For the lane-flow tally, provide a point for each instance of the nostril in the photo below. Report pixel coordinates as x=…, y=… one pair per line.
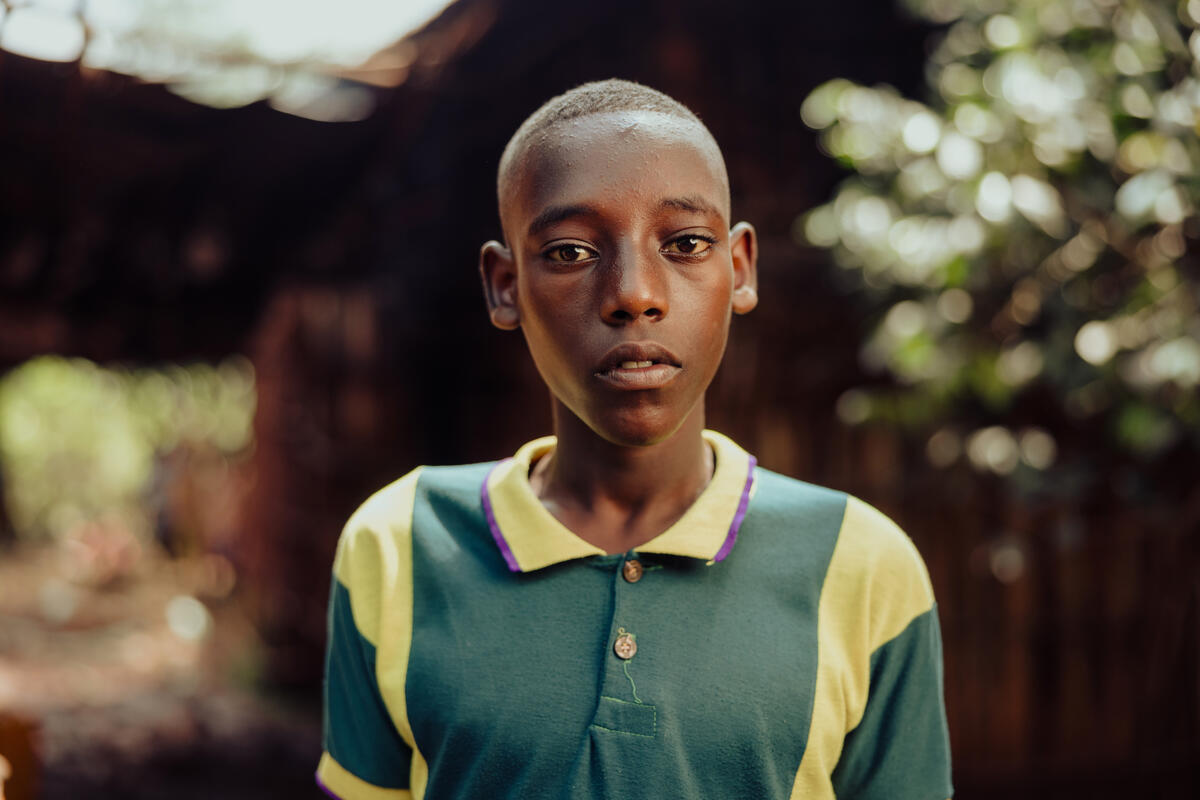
x=624, y=315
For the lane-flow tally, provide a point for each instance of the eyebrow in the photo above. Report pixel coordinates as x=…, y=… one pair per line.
x=554, y=214
x=691, y=203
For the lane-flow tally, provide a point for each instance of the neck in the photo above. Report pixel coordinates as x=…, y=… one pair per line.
x=617, y=496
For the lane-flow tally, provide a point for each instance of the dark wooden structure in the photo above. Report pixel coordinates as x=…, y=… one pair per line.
x=135, y=226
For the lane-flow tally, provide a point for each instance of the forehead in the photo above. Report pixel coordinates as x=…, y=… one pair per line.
x=627, y=160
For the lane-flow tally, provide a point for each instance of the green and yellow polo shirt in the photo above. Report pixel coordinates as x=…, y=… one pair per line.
x=780, y=640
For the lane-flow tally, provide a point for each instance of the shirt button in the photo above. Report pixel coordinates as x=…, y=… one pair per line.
x=633, y=570
x=625, y=646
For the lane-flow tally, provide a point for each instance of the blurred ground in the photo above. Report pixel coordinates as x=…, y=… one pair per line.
x=140, y=685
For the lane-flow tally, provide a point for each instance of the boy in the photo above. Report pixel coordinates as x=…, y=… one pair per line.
x=631, y=608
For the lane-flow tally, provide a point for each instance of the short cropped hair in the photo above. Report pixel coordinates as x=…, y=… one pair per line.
x=598, y=97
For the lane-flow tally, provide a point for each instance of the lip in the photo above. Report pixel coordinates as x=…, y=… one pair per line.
x=662, y=370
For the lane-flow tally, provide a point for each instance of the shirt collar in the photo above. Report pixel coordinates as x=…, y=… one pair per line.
x=529, y=537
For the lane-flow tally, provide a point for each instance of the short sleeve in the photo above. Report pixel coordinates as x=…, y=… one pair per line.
x=366, y=754
x=901, y=749
x=879, y=722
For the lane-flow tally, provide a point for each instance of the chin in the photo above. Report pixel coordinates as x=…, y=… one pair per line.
x=635, y=428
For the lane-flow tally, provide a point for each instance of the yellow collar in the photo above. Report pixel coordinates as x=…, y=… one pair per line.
x=529, y=537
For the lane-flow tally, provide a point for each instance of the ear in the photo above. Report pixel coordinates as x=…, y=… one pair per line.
x=499, y=273
x=743, y=247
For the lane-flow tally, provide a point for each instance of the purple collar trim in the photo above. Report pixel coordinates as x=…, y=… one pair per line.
x=740, y=515
x=501, y=542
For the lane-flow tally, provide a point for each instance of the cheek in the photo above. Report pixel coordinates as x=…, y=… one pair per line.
x=718, y=334
x=709, y=326
x=709, y=306
x=546, y=313
x=549, y=322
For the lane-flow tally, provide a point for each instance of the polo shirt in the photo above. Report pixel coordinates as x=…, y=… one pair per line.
x=779, y=640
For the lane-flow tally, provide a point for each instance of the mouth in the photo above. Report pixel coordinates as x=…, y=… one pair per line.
x=638, y=365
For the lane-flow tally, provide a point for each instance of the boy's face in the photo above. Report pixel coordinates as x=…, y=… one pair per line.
x=621, y=269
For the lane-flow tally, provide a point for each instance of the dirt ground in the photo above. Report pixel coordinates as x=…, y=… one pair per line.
x=135, y=676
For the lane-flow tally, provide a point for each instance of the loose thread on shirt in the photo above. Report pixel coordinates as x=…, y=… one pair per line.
x=632, y=685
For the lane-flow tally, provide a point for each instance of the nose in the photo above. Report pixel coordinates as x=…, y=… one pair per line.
x=634, y=287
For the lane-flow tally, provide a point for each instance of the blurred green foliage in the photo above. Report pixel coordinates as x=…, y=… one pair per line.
x=80, y=442
x=1028, y=231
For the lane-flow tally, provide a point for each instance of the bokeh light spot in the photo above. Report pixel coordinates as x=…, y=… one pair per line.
x=820, y=227
x=1038, y=448
x=1096, y=342
x=1136, y=102
x=955, y=305
x=1126, y=60
x=1002, y=31
x=994, y=198
x=943, y=448
x=42, y=34
x=854, y=407
x=993, y=448
x=906, y=318
x=187, y=617
x=921, y=132
x=1007, y=562
x=960, y=157
x=1018, y=365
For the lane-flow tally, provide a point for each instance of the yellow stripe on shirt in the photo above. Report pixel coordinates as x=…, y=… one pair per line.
x=876, y=584
x=346, y=785
x=376, y=549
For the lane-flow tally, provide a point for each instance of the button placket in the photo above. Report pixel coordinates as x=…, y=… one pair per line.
x=621, y=709
x=624, y=644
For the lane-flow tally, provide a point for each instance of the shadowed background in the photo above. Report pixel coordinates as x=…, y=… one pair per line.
x=268, y=263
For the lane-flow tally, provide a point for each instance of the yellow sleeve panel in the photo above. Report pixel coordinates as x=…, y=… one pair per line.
x=374, y=562
x=875, y=586
x=348, y=786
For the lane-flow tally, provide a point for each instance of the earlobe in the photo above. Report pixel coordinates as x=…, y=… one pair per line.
x=743, y=248
x=499, y=274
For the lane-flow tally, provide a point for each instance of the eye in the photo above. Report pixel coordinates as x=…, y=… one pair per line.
x=569, y=253
x=690, y=245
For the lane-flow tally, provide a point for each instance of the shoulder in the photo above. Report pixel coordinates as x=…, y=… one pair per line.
x=373, y=552
x=795, y=503
x=381, y=528
x=385, y=517
x=869, y=544
x=877, y=570
x=875, y=574
x=878, y=546
x=382, y=521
